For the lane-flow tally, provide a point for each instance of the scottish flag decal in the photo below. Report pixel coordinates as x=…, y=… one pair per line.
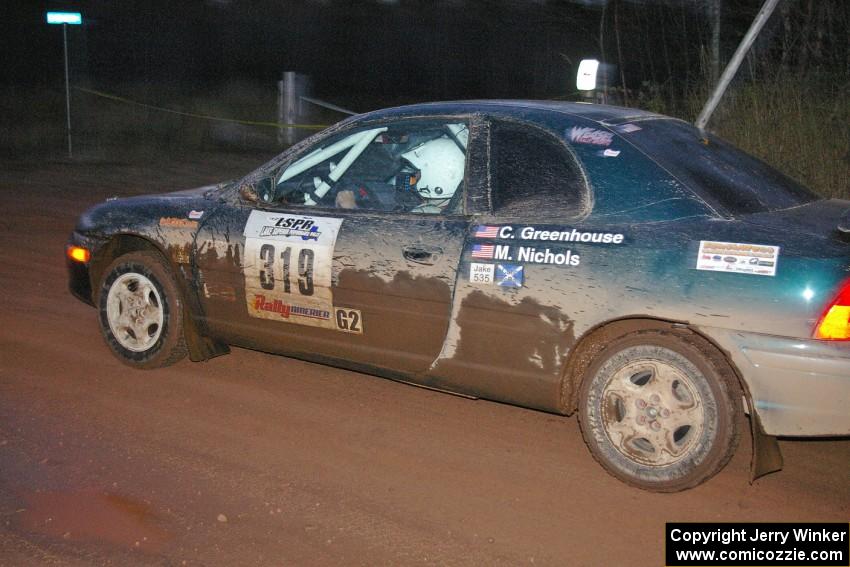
x=509, y=275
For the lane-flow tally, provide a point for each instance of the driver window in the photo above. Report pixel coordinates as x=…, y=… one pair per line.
x=409, y=168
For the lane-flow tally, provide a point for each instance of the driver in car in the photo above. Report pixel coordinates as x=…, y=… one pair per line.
x=426, y=182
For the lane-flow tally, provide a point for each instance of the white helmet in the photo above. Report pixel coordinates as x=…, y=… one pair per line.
x=440, y=163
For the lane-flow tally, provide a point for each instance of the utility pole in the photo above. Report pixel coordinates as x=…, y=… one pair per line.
x=732, y=68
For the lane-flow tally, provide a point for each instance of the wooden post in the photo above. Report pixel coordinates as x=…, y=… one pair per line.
x=290, y=107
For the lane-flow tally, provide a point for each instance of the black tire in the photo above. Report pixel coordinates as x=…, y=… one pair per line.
x=141, y=311
x=658, y=411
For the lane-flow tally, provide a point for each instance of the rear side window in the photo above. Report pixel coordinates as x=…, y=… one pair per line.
x=534, y=174
x=716, y=170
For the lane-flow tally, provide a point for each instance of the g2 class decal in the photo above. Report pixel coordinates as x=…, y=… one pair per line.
x=349, y=320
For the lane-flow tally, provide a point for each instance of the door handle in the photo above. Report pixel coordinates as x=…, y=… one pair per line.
x=421, y=254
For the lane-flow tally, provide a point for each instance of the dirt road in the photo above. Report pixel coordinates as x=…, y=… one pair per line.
x=253, y=459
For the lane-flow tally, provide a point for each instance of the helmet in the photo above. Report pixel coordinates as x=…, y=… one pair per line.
x=440, y=163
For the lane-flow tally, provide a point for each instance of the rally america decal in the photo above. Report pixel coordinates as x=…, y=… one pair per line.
x=540, y=252
x=738, y=258
x=288, y=263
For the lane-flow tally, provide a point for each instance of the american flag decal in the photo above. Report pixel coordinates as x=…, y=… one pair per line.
x=484, y=231
x=483, y=251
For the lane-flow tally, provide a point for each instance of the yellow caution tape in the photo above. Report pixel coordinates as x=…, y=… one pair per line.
x=201, y=116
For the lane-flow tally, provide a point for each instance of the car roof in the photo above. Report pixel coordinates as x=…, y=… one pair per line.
x=600, y=113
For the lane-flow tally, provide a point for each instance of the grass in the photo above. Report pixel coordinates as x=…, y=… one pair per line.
x=798, y=124
x=801, y=128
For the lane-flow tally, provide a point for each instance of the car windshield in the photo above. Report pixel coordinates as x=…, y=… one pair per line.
x=714, y=169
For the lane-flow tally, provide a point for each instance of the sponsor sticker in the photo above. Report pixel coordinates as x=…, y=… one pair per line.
x=172, y=222
x=610, y=153
x=287, y=268
x=582, y=135
x=279, y=308
x=481, y=274
x=627, y=128
x=509, y=275
x=292, y=228
x=737, y=257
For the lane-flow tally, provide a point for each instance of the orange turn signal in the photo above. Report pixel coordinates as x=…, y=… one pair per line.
x=79, y=254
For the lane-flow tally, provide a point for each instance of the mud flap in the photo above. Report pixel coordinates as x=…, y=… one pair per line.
x=767, y=457
x=200, y=347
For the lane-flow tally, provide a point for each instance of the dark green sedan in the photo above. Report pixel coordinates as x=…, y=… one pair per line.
x=566, y=257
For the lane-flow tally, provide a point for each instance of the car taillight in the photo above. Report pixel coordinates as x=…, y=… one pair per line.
x=834, y=324
x=79, y=254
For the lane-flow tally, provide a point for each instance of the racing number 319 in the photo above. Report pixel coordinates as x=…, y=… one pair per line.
x=305, y=269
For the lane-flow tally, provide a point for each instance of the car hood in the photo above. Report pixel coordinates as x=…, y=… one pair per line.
x=195, y=192
x=117, y=215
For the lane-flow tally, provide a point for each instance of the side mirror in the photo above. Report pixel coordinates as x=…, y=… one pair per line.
x=247, y=193
x=262, y=190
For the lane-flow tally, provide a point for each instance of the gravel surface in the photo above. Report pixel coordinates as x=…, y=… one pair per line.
x=255, y=459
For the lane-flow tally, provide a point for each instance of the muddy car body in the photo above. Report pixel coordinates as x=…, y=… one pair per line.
x=558, y=256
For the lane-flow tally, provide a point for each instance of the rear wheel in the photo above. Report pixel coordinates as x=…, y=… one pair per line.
x=658, y=412
x=141, y=312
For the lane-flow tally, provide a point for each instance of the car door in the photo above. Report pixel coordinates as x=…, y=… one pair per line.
x=576, y=221
x=512, y=325
x=350, y=253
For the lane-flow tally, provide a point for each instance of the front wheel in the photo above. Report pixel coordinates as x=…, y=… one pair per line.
x=658, y=412
x=141, y=312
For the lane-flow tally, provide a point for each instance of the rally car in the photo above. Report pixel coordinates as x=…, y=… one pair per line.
x=565, y=257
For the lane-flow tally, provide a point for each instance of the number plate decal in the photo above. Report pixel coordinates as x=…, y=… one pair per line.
x=287, y=268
